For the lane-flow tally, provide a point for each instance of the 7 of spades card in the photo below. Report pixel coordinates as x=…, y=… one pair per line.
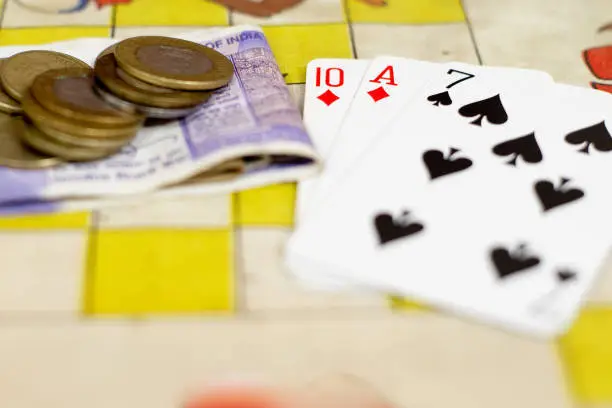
x=432, y=212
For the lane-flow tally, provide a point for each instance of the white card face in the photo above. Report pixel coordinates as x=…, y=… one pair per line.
x=330, y=87
x=428, y=218
x=387, y=86
x=387, y=90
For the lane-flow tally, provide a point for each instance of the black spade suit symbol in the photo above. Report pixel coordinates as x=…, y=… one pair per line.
x=439, y=166
x=596, y=136
x=490, y=109
x=442, y=98
x=390, y=229
x=509, y=263
x=552, y=196
x=525, y=147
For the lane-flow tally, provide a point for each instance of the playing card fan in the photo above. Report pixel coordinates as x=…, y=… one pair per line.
x=475, y=190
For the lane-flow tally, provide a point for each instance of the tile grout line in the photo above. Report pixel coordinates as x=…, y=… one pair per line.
x=3, y=12
x=351, y=31
x=87, y=287
x=239, y=280
x=230, y=17
x=113, y=27
x=239, y=303
x=471, y=31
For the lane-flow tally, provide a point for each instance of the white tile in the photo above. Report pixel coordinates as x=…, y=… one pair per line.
x=42, y=272
x=436, y=43
x=31, y=13
x=549, y=35
x=417, y=361
x=306, y=12
x=267, y=286
x=208, y=211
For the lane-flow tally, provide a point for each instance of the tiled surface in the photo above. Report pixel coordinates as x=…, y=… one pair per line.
x=418, y=361
x=549, y=37
x=134, y=306
x=174, y=13
x=295, y=46
x=18, y=14
x=449, y=42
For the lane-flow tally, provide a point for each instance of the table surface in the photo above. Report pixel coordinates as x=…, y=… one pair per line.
x=134, y=306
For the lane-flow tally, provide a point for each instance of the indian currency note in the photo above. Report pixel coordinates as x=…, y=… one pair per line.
x=253, y=119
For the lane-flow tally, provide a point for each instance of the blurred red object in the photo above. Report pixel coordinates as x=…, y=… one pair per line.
x=341, y=391
x=237, y=397
x=602, y=87
x=102, y=3
x=599, y=61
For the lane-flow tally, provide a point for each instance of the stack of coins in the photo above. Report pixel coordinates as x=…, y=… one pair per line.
x=54, y=108
x=160, y=77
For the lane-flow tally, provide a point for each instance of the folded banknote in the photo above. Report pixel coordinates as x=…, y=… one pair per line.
x=250, y=133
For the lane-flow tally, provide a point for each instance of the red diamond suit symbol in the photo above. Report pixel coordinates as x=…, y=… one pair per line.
x=378, y=94
x=328, y=97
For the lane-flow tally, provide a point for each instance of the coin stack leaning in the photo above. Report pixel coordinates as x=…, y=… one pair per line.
x=54, y=108
x=160, y=77
x=62, y=119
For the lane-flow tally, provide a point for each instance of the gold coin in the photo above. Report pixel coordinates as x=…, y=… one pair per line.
x=18, y=72
x=149, y=111
x=8, y=104
x=69, y=92
x=174, y=63
x=106, y=71
x=41, y=116
x=14, y=152
x=87, y=142
x=41, y=142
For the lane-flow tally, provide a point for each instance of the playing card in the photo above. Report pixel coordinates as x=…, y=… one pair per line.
x=426, y=216
x=388, y=85
x=330, y=87
x=386, y=92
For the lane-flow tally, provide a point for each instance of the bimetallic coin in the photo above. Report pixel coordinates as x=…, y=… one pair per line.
x=18, y=72
x=14, y=152
x=43, y=117
x=149, y=111
x=106, y=71
x=173, y=63
x=87, y=142
x=137, y=83
x=41, y=142
x=8, y=104
x=69, y=92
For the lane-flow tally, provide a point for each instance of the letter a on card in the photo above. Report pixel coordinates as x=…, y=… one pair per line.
x=385, y=76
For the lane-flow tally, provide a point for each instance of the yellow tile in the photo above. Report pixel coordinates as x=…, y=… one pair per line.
x=402, y=304
x=587, y=353
x=160, y=271
x=25, y=36
x=271, y=205
x=403, y=11
x=46, y=221
x=171, y=13
x=295, y=46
